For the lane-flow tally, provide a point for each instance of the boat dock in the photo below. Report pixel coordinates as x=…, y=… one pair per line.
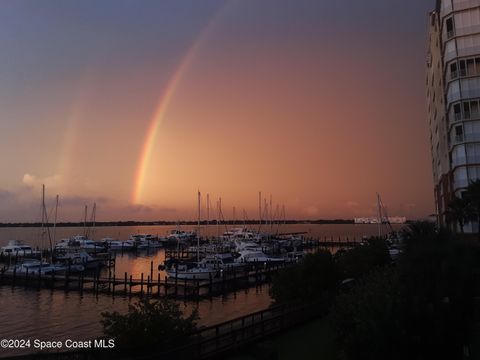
x=152, y=284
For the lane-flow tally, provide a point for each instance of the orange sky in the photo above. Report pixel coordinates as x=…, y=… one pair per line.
x=319, y=108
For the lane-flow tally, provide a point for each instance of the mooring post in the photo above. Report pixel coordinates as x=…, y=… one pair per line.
x=151, y=270
x=130, y=289
x=113, y=285
x=141, y=284
x=176, y=281
x=210, y=284
x=158, y=284
x=185, y=286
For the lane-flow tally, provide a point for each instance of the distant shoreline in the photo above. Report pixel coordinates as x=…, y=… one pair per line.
x=173, y=223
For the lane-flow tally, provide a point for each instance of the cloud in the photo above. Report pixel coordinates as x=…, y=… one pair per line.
x=32, y=181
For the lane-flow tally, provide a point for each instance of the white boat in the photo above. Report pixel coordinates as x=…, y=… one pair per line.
x=80, y=242
x=219, y=261
x=18, y=248
x=35, y=267
x=191, y=271
x=255, y=256
x=145, y=241
x=112, y=244
x=71, y=257
x=181, y=235
x=242, y=233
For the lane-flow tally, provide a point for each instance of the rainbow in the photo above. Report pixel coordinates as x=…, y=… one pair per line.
x=163, y=104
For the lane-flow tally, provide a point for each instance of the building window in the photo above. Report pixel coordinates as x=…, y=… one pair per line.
x=453, y=70
x=463, y=68
x=457, y=110
x=450, y=30
x=458, y=133
x=466, y=110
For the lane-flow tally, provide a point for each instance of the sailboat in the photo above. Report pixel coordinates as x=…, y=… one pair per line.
x=35, y=266
x=192, y=270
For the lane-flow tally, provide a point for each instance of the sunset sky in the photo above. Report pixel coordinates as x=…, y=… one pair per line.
x=138, y=104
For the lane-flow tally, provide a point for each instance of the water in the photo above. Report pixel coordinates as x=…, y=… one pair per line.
x=57, y=315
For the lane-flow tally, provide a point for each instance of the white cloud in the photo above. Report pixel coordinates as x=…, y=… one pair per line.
x=32, y=181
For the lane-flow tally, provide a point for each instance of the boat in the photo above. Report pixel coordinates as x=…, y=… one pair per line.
x=18, y=248
x=40, y=267
x=112, y=244
x=80, y=242
x=255, y=256
x=145, y=241
x=179, y=235
x=220, y=261
x=190, y=271
x=71, y=257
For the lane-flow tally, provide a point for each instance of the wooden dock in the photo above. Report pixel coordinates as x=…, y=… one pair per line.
x=227, y=280
x=153, y=285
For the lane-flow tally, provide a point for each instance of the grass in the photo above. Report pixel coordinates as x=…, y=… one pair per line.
x=313, y=340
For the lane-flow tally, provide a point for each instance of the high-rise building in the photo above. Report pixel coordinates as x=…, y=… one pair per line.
x=453, y=99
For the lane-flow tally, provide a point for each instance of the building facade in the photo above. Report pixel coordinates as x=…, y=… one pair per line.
x=453, y=99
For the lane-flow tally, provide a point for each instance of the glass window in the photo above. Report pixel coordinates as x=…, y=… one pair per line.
x=449, y=25
x=457, y=110
x=453, y=70
x=470, y=67
x=474, y=108
x=463, y=68
x=466, y=110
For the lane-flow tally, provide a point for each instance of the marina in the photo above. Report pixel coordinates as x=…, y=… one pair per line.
x=135, y=274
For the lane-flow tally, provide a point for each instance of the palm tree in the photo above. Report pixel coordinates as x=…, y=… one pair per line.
x=459, y=210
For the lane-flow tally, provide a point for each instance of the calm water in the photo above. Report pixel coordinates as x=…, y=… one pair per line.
x=56, y=315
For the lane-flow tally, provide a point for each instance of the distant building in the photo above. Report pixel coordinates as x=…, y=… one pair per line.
x=453, y=99
x=375, y=220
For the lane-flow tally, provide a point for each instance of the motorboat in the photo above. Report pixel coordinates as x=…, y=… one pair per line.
x=220, y=261
x=112, y=244
x=80, y=242
x=181, y=235
x=18, y=248
x=191, y=271
x=40, y=267
x=255, y=256
x=145, y=241
x=71, y=257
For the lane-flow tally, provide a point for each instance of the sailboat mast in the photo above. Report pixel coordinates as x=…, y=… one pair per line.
x=85, y=222
x=379, y=216
x=260, y=208
x=198, y=230
x=94, y=216
x=55, y=220
x=208, y=209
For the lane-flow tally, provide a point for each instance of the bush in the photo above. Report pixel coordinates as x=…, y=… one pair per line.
x=367, y=319
x=149, y=323
x=363, y=259
x=422, y=308
x=308, y=281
